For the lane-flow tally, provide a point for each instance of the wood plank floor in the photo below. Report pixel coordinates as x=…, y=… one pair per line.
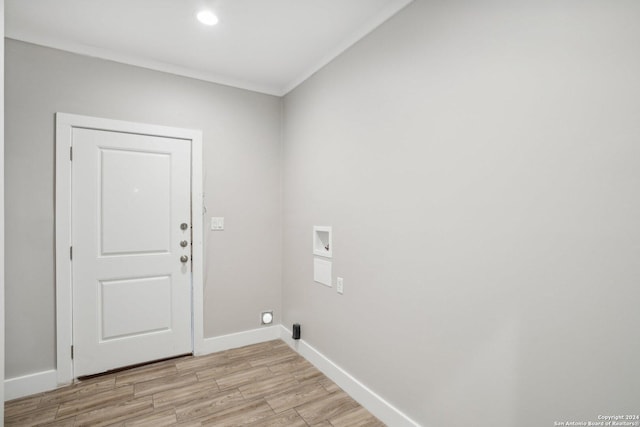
x=265, y=384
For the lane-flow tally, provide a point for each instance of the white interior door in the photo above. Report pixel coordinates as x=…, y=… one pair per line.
x=131, y=249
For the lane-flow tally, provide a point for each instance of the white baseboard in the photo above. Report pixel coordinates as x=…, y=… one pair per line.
x=26, y=385
x=240, y=339
x=375, y=404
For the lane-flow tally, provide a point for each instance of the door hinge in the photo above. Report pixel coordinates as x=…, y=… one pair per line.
x=71, y=252
x=72, y=352
x=71, y=153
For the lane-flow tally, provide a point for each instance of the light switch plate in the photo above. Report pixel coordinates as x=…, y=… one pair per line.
x=217, y=223
x=340, y=285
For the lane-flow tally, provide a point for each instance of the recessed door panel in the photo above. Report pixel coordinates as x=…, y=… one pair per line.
x=135, y=214
x=122, y=315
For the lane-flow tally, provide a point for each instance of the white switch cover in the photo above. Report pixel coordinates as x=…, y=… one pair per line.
x=322, y=271
x=217, y=223
x=340, y=285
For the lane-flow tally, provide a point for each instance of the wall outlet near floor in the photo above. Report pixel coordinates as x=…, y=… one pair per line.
x=266, y=317
x=340, y=285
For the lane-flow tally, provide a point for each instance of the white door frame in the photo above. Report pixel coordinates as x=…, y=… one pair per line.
x=64, y=307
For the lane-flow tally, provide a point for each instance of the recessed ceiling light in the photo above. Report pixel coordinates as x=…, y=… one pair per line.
x=207, y=17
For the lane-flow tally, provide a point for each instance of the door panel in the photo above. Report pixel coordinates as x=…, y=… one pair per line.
x=131, y=290
x=124, y=296
x=135, y=214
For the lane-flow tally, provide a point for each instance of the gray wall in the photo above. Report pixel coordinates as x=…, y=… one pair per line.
x=480, y=165
x=2, y=210
x=242, y=153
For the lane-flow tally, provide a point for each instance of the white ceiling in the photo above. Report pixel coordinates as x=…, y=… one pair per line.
x=268, y=46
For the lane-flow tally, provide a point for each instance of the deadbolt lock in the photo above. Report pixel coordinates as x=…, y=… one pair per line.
x=184, y=258
x=184, y=243
x=184, y=226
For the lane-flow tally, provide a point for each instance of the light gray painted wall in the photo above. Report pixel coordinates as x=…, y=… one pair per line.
x=2, y=346
x=242, y=153
x=480, y=165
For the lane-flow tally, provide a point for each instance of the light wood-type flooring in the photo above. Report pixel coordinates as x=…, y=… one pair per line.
x=265, y=384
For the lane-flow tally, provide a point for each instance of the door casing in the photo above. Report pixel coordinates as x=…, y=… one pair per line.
x=64, y=307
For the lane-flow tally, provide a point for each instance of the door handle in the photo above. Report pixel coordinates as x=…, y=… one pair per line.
x=184, y=243
x=184, y=226
x=184, y=258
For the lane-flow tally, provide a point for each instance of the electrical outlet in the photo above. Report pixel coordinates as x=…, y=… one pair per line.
x=340, y=285
x=266, y=317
